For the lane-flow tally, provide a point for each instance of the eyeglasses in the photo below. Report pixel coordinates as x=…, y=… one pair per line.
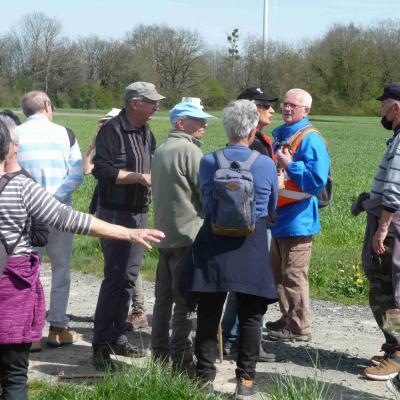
x=263, y=106
x=291, y=106
x=155, y=104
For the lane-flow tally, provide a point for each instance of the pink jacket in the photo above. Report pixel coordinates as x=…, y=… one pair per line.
x=22, y=303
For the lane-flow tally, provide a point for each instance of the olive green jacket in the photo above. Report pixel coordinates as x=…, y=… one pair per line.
x=177, y=198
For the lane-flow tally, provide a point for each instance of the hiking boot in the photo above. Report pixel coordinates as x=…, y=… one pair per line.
x=378, y=359
x=36, y=347
x=285, y=335
x=61, y=336
x=265, y=355
x=245, y=389
x=137, y=319
x=206, y=387
x=127, y=349
x=393, y=385
x=387, y=369
x=275, y=325
x=101, y=359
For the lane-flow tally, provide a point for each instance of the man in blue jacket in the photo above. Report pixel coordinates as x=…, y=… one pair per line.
x=304, y=162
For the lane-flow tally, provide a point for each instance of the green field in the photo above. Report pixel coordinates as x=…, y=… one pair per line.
x=356, y=145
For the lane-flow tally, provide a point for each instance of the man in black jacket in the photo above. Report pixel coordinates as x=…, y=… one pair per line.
x=124, y=148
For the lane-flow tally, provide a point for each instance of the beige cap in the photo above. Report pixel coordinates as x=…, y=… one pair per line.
x=144, y=89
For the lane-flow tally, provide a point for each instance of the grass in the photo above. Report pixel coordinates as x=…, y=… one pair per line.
x=356, y=145
x=153, y=381
x=289, y=387
x=150, y=382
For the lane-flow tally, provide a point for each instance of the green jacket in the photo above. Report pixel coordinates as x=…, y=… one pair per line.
x=177, y=198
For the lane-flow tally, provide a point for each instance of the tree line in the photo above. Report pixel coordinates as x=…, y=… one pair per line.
x=344, y=69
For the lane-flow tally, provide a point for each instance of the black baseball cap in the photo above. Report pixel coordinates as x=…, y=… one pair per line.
x=390, y=91
x=255, y=93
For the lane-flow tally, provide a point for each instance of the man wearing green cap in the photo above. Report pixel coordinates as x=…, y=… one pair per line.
x=124, y=148
x=178, y=209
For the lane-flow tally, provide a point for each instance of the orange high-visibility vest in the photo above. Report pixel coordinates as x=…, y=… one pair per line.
x=292, y=193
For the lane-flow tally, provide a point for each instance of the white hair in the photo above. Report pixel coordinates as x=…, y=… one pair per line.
x=306, y=99
x=11, y=125
x=239, y=118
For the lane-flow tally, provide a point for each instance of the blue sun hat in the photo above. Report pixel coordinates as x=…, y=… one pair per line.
x=187, y=109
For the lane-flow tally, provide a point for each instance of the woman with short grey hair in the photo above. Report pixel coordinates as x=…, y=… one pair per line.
x=238, y=118
x=240, y=264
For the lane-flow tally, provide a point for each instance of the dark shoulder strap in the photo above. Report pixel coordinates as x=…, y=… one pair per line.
x=71, y=137
x=4, y=181
x=6, y=178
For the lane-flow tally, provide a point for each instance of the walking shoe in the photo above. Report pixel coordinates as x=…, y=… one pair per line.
x=285, y=335
x=393, y=385
x=206, y=387
x=101, y=359
x=386, y=370
x=265, y=355
x=60, y=336
x=377, y=359
x=36, y=347
x=277, y=325
x=137, y=319
x=127, y=349
x=245, y=389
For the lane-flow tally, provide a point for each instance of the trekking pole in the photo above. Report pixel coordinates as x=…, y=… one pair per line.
x=220, y=347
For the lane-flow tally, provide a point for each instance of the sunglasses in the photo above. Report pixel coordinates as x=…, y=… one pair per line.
x=263, y=106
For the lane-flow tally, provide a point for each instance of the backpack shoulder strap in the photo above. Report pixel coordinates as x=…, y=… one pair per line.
x=250, y=160
x=296, y=139
x=6, y=178
x=222, y=161
x=4, y=181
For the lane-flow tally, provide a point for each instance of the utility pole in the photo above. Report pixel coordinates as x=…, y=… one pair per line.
x=265, y=31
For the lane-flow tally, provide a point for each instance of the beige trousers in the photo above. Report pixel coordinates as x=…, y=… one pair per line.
x=290, y=257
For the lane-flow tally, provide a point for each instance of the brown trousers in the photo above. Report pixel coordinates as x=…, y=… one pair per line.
x=290, y=257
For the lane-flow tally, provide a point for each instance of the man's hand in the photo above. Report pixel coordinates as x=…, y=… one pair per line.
x=145, y=180
x=378, y=239
x=381, y=232
x=283, y=159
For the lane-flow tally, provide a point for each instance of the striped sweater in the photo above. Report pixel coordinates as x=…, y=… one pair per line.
x=46, y=153
x=23, y=198
x=386, y=182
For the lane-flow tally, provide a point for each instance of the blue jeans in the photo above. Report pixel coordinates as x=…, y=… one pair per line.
x=59, y=249
x=230, y=320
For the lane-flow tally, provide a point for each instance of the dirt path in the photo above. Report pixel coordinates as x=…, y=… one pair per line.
x=343, y=340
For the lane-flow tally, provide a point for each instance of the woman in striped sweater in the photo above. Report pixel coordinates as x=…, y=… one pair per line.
x=22, y=308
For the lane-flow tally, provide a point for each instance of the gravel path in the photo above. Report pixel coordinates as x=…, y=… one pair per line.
x=344, y=338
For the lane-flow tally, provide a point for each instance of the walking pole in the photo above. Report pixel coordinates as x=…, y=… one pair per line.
x=220, y=348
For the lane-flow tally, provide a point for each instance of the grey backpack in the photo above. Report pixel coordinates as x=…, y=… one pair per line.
x=234, y=206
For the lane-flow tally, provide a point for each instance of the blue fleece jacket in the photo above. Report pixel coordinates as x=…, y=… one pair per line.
x=309, y=170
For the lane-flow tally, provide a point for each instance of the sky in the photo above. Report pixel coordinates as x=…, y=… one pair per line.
x=289, y=20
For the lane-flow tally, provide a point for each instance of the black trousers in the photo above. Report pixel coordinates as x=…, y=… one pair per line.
x=122, y=261
x=209, y=310
x=14, y=362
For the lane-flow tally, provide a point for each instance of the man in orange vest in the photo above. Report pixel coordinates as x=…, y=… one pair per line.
x=303, y=158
